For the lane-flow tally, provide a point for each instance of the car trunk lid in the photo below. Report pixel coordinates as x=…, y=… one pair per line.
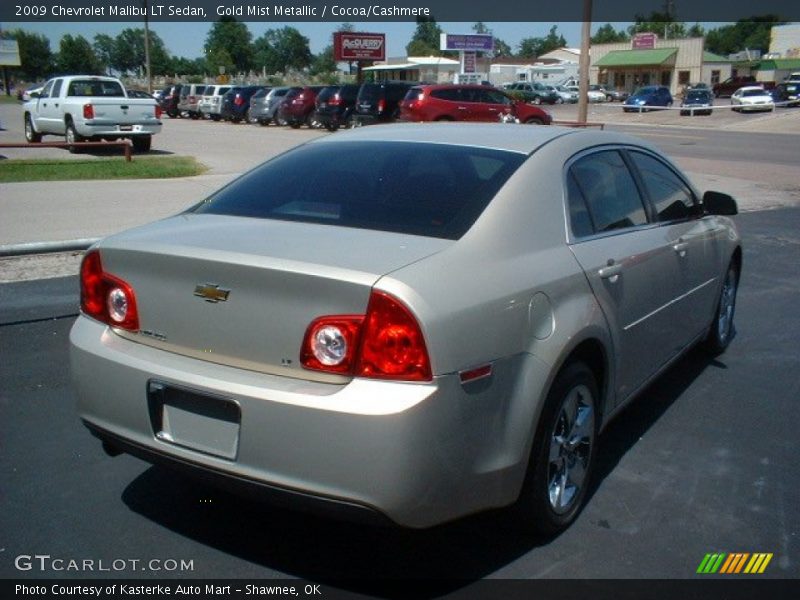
x=241, y=291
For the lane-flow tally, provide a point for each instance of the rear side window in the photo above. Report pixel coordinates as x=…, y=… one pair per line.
x=609, y=190
x=370, y=91
x=673, y=201
x=416, y=93
x=327, y=93
x=432, y=190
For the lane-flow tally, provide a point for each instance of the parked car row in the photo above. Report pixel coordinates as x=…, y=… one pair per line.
x=352, y=105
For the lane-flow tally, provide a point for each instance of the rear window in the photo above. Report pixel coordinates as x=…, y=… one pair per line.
x=85, y=88
x=370, y=91
x=432, y=190
x=327, y=93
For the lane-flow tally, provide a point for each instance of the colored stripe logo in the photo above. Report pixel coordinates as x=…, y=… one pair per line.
x=735, y=563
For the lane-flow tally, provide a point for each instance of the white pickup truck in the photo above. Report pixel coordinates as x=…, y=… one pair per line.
x=91, y=108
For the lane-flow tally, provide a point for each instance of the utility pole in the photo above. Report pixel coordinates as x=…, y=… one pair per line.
x=147, y=49
x=583, y=65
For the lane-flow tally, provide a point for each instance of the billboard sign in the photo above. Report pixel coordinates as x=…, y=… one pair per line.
x=644, y=41
x=349, y=46
x=473, y=42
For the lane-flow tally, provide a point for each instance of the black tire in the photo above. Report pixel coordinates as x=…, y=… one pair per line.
x=723, y=329
x=142, y=143
x=263, y=122
x=534, y=121
x=561, y=448
x=194, y=116
x=215, y=117
x=332, y=127
x=30, y=133
x=71, y=136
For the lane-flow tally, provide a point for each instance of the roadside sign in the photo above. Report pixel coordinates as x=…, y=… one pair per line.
x=475, y=42
x=349, y=46
x=644, y=41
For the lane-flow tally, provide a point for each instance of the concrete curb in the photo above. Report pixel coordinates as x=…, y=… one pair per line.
x=46, y=247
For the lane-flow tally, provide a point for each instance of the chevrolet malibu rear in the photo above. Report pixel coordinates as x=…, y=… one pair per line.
x=382, y=336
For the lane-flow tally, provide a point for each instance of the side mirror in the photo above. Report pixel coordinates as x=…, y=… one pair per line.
x=35, y=95
x=717, y=203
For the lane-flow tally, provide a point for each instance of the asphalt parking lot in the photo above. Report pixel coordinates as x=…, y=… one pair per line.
x=705, y=461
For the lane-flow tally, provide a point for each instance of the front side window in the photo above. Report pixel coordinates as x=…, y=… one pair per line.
x=673, y=201
x=610, y=192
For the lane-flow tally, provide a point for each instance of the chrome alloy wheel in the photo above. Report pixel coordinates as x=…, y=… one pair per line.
x=570, y=449
x=727, y=303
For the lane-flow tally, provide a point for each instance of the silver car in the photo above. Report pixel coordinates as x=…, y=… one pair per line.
x=409, y=322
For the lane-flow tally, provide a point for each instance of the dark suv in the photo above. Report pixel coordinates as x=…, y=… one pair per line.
x=535, y=93
x=335, y=105
x=170, y=100
x=379, y=102
x=468, y=103
x=236, y=103
x=298, y=109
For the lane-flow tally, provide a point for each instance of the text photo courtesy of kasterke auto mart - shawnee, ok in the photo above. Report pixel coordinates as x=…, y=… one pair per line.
x=424, y=299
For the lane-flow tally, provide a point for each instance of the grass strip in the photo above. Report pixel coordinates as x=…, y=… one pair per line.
x=142, y=167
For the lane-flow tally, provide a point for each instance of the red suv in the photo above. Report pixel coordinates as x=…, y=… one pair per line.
x=299, y=110
x=467, y=103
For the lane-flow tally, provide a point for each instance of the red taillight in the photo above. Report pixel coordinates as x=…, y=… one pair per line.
x=88, y=111
x=159, y=111
x=381, y=105
x=238, y=101
x=335, y=100
x=392, y=344
x=386, y=343
x=105, y=297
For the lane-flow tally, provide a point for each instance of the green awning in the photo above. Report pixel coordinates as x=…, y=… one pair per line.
x=636, y=58
x=711, y=57
x=776, y=64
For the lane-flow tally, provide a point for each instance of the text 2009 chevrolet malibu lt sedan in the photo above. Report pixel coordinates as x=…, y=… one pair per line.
x=415, y=322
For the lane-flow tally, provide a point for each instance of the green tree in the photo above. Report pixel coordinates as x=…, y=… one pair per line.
x=76, y=56
x=536, y=46
x=425, y=41
x=323, y=62
x=280, y=50
x=128, y=53
x=662, y=24
x=608, y=35
x=696, y=30
x=235, y=39
x=752, y=33
x=34, y=53
x=104, y=46
x=187, y=66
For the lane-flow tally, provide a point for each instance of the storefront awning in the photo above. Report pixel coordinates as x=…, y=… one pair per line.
x=637, y=58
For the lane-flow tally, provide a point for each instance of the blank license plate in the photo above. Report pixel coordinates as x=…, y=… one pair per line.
x=194, y=420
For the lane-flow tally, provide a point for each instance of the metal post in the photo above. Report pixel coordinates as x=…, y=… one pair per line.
x=147, y=49
x=583, y=67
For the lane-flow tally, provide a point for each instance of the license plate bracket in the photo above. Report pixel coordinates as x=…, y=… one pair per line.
x=195, y=420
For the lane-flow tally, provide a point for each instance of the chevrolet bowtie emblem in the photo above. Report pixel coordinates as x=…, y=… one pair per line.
x=211, y=292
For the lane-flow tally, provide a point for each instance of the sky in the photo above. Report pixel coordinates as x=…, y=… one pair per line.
x=186, y=39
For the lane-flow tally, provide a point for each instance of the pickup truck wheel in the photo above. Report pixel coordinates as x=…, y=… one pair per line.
x=142, y=143
x=72, y=137
x=30, y=132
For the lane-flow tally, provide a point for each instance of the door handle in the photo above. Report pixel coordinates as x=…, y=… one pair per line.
x=610, y=272
x=462, y=108
x=680, y=247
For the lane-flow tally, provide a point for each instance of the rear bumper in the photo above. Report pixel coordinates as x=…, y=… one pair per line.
x=418, y=454
x=119, y=130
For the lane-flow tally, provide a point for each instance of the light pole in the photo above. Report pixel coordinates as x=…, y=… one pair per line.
x=583, y=65
x=147, y=49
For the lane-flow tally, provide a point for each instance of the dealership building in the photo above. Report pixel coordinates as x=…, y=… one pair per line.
x=653, y=61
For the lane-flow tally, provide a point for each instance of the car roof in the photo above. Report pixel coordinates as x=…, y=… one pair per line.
x=524, y=139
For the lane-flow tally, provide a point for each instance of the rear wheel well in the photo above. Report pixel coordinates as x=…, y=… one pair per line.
x=592, y=353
